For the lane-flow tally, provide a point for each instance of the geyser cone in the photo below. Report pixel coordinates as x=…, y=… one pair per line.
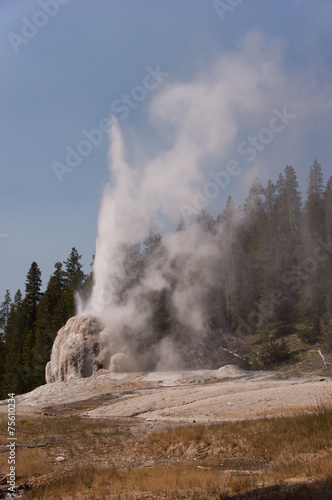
x=82, y=347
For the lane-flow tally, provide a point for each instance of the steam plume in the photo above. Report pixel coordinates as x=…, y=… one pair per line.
x=201, y=120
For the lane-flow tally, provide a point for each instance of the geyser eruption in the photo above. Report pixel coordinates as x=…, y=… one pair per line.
x=169, y=266
x=201, y=119
x=137, y=274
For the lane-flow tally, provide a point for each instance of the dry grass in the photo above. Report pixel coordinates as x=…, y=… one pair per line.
x=266, y=438
x=288, y=456
x=31, y=462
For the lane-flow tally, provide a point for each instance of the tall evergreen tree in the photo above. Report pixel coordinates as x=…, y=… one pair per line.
x=30, y=304
x=327, y=264
x=267, y=252
x=291, y=208
x=206, y=221
x=288, y=242
x=48, y=322
x=248, y=276
x=314, y=207
x=73, y=269
x=5, y=309
x=32, y=292
x=56, y=298
x=313, y=297
x=88, y=283
x=328, y=211
x=74, y=278
x=14, y=376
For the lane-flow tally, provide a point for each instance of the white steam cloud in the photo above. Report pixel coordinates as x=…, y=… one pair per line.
x=201, y=120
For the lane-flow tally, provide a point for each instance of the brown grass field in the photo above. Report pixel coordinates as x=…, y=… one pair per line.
x=272, y=457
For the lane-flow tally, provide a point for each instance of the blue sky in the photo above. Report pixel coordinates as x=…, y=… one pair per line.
x=84, y=56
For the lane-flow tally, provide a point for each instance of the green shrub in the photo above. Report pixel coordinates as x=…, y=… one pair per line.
x=274, y=351
x=308, y=336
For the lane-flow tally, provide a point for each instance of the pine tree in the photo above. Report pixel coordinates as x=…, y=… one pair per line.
x=327, y=264
x=313, y=298
x=74, y=278
x=47, y=323
x=267, y=251
x=314, y=207
x=328, y=211
x=56, y=285
x=288, y=242
x=14, y=377
x=206, y=221
x=248, y=269
x=88, y=283
x=73, y=269
x=5, y=308
x=56, y=296
x=291, y=206
x=32, y=292
x=30, y=305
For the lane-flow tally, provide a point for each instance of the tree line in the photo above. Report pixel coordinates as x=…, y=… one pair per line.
x=29, y=323
x=272, y=275
x=274, y=268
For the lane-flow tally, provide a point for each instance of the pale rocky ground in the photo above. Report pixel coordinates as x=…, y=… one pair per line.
x=202, y=396
x=82, y=373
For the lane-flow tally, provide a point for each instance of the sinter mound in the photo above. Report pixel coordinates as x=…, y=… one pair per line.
x=83, y=346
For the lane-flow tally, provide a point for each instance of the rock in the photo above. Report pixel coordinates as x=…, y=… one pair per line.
x=75, y=350
x=230, y=371
x=84, y=346
x=60, y=459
